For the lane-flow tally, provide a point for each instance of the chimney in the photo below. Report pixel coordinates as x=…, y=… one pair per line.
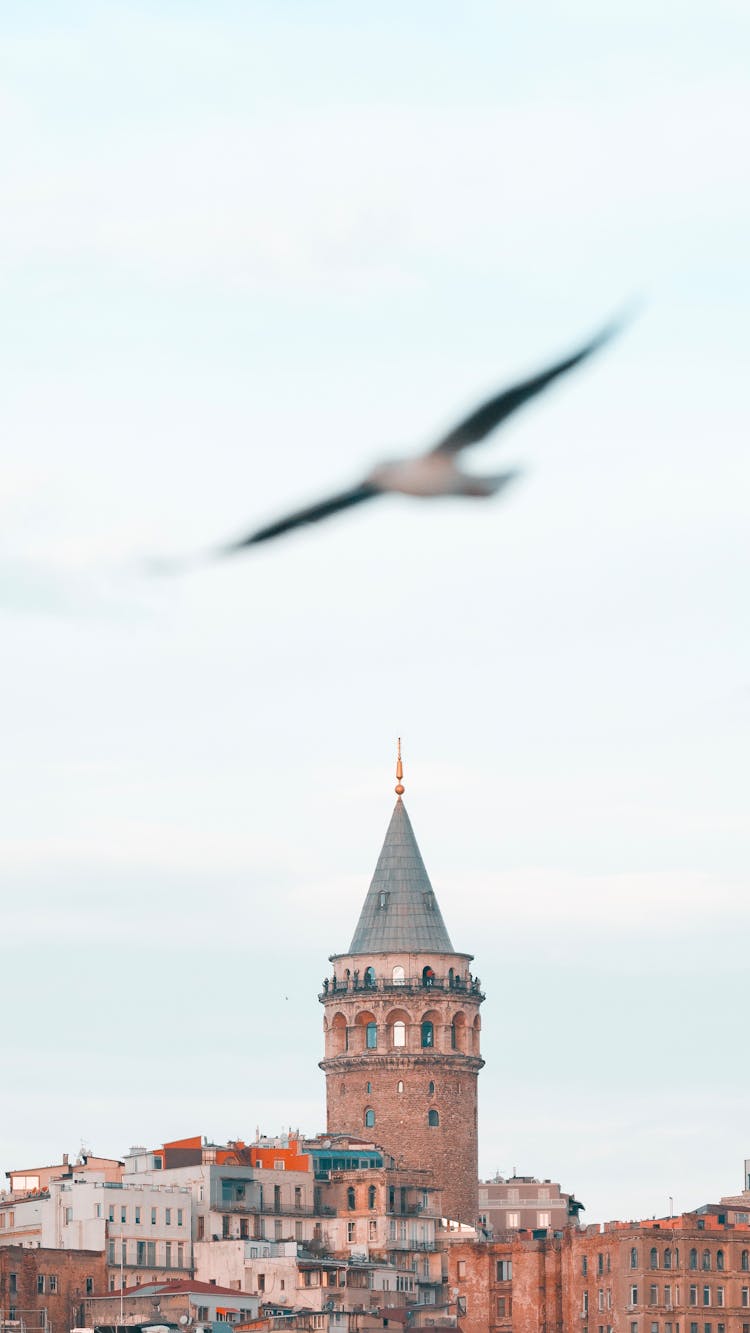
x=65, y=1159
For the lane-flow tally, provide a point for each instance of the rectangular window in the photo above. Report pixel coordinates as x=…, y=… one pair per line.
x=693, y=1294
x=201, y=1229
x=652, y=1294
x=706, y=1295
x=634, y=1326
x=111, y=1213
x=719, y=1295
x=168, y=1254
x=179, y=1217
x=504, y=1270
x=501, y=1307
x=137, y=1216
x=140, y=1252
x=68, y=1215
x=124, y=1252
x=41, y=1284
x=512, y=1221
x=153, y=1217
x=180, y=1255
x=123, y=1214
x=89, y=1286
x=584, y=1265
x=110, y=1252
x=168, y=1217
x=151, y=1253
x=53, y=1282
x=746, y=1295
x=543, y=1219
x=634, y=1295
x=461, y=1268
x=97, y=1210
x=350, y=1228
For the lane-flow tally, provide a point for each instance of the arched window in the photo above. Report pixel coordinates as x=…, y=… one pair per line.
x=693, y=1259
x=338, y=1034
x=433, y=1118
x=370, y=978
x=428, y=1034
x=706, y=1261
x=372, y=1036
x=371, y=1196
x=368, y=1087
x=428, y=975
x=634, y=1258
x=370, y=1118
x=399, y=1033
x=720, y=1260
x=398, y=975
x=430, y=1087
x=667, y=1258
x=399, y=1086
x=351, y=1201
x=653, y=1258
x=745, y=1261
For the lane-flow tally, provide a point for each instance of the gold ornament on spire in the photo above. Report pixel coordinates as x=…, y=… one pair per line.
x=399, y=772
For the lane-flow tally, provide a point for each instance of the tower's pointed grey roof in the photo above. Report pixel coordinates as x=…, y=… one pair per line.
x=400, y=913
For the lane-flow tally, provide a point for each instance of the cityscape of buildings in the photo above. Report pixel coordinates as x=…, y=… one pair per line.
x=381, y=1220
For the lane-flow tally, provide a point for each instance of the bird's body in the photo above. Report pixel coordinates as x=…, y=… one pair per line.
x=434, y=473
x=426, y=476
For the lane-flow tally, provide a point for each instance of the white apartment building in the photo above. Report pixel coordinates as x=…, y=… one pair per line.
x=145, y=1230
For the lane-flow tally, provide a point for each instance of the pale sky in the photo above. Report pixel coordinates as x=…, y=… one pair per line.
x=245, y=250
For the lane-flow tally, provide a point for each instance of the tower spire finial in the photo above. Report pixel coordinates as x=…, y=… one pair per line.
x=399, y=772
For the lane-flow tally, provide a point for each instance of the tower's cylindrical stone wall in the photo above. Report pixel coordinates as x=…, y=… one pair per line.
x=402, y=1055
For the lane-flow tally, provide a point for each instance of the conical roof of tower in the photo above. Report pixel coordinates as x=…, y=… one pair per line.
x=400, y=913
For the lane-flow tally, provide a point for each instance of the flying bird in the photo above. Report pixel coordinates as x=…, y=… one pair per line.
x=435, y=472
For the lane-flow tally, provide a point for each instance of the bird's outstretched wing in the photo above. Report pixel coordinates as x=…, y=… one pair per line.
x=312, y=514
x=495, y=410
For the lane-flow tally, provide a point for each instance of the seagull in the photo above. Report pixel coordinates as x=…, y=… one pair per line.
x=435, y=472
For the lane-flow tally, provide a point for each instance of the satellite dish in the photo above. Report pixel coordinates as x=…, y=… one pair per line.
x=184, y=1319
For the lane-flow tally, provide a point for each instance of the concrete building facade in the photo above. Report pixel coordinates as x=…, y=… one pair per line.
x=402, y=1028
x=526, y=1204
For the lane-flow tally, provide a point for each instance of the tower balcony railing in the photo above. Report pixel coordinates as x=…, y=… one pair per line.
x=470, y=986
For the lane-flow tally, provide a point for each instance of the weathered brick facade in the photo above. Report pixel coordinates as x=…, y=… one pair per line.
x=689, y=1274
x=48, y=1288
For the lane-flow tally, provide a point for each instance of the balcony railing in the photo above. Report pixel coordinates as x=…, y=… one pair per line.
x=268, y=1209
x=410, y=985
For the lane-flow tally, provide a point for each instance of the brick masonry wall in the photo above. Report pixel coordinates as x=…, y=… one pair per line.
x=76, y=1273
x=402, y=1117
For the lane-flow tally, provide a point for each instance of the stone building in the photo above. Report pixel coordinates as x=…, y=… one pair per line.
x=687, y=1274
x=402, y=1027
x=46, y=1289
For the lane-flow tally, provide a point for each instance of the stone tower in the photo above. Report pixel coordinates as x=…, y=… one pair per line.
x=402, y=1027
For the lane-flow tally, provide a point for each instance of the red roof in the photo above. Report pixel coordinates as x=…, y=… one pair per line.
x=176, y=1286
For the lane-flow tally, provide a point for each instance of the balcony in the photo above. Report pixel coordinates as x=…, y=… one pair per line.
x=268, y=1209
x=409, y=986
